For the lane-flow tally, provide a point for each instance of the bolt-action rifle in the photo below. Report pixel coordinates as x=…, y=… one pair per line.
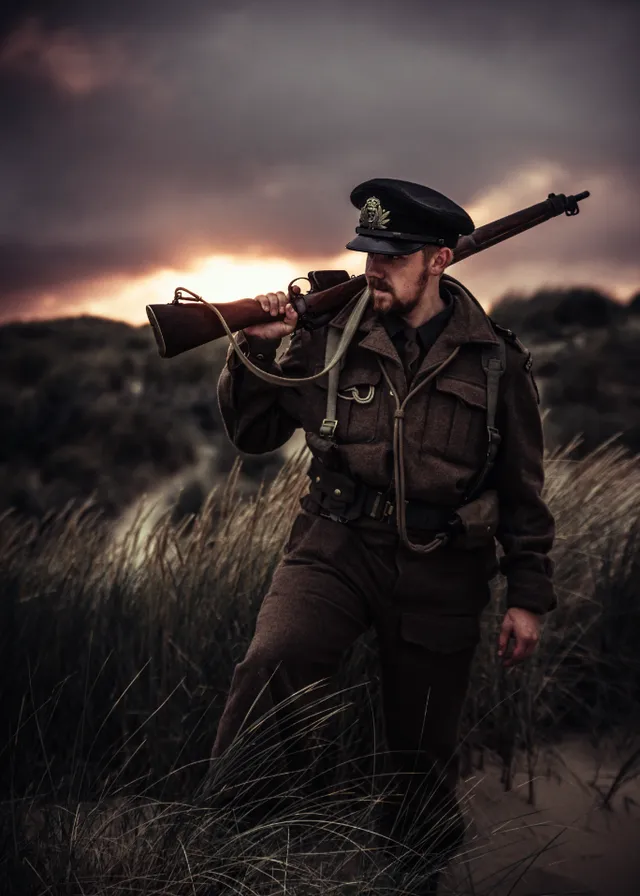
x=180, y=326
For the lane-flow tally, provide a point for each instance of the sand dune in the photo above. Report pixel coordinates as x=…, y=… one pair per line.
x=583, y=848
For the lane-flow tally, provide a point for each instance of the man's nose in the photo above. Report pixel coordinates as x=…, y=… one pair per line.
x=375, y=263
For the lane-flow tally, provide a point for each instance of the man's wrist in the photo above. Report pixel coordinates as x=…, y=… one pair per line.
x=537, y=604
x=262, y=349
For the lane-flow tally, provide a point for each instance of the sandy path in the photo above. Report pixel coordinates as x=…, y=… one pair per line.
x=581, y=848
x=584, y=848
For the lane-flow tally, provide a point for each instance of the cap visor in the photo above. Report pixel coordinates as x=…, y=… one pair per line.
x=362, y=243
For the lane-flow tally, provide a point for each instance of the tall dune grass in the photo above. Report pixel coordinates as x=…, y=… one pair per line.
x=115, y=673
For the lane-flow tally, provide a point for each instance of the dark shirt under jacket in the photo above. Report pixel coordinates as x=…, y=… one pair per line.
x=412, y=343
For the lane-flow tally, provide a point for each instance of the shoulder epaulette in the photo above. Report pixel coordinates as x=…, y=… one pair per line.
x=511, y=337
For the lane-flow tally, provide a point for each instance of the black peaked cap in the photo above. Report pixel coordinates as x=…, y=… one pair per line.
x=398, y=217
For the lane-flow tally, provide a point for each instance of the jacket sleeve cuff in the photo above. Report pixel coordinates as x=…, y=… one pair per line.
x=537, y=596
x=262, y=349
x=258, y=350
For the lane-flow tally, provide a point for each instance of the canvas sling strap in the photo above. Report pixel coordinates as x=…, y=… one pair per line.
x=330, y=422
x=350, y=328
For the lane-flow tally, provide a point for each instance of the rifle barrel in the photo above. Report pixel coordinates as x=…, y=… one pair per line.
x=180, y=327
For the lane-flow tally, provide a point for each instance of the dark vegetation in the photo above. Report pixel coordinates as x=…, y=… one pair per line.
x=113, y=683
x=586, y=349
x=116, y=664
x=88, y=406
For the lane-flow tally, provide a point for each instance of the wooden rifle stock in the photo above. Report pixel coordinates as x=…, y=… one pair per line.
x=179, y=327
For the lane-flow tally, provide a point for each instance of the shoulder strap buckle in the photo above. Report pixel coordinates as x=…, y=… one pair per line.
x=330, y=422
x=328, y=427
x=494, y=362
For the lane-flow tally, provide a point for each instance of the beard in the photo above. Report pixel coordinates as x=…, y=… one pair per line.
x=386, y=300
x=388, y=303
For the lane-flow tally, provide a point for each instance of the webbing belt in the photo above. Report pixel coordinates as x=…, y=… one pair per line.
x=379, y=505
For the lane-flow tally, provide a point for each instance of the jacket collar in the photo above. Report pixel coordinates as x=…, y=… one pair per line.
x=427, y=332
x=468, y=323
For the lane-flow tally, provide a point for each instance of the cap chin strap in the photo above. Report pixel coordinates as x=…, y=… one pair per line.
x=350, y=328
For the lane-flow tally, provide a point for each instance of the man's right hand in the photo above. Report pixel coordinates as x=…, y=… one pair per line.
x=274, y=303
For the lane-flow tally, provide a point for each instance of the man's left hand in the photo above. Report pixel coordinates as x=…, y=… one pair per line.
x=524, y=627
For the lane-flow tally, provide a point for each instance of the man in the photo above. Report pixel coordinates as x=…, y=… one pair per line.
x=399, y=527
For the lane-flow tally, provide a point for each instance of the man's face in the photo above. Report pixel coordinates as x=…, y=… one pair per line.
x=397, y=282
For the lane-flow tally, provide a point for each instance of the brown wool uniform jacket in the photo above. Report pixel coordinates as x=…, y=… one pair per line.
x=444, y=432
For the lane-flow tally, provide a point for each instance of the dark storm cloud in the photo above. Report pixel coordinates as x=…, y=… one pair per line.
x=138, y=133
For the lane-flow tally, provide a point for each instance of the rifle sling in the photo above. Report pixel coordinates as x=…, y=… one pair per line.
x=350, y=328
x=493, y=366
x=330, y=422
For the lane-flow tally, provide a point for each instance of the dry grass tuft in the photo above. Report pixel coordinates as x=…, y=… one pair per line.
x=116, y=672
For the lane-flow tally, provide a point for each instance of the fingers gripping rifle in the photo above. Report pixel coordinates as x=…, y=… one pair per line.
x=350, y=328
x=181, y=326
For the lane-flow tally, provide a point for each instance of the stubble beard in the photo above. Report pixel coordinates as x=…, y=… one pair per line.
x=384, y=302
x=387, y=302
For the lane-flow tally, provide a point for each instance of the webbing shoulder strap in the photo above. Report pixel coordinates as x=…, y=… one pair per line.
x=330, y=422
x=494, y=362
x=334, y=338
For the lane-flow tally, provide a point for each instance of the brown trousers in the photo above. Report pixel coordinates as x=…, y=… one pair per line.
x=333, y=583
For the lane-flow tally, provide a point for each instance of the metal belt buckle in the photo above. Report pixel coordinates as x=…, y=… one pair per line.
x=388, y=512
x=374, y=512
x=325, y=514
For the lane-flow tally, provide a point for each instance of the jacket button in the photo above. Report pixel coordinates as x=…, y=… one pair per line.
x=317, y=479
x=337, y=491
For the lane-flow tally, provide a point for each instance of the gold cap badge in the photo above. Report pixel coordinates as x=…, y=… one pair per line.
x=373, y=216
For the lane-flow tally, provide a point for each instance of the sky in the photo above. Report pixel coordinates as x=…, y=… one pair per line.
x=214, y=145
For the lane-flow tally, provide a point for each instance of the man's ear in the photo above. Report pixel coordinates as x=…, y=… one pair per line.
x=440, y=259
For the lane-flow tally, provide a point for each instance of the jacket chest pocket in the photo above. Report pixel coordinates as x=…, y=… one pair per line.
x=456, y=421
x=357, y=404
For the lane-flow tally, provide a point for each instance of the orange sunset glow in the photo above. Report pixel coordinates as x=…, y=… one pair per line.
x=528, y=262
x=225, y=278
x=217, y=278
